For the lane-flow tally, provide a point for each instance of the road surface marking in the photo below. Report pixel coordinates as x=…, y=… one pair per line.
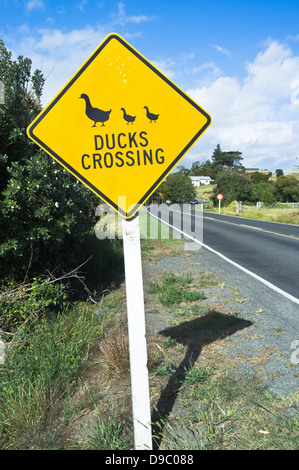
x=255, y=276
x=250, y=226
x=246, y=226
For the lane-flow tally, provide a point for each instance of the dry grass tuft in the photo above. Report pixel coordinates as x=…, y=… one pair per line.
x=115, y=348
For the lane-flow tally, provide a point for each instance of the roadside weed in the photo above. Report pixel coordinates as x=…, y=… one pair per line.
x=194, y=376
x=169, y=342
x=110, y=434
x=173, y=289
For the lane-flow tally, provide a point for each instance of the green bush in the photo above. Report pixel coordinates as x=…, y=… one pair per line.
x=22, y=93
x=45, y=216
x=19, y=303
x=45, y=212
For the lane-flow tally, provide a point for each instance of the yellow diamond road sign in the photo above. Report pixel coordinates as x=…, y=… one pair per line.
x=119, y=125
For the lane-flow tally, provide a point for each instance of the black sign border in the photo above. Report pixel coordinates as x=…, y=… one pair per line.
x=133, y=211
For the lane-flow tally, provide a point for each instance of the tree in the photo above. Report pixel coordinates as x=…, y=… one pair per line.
x=233, y=185
x=264, y=191
x=287, y=189
x=184, y=171
x=22, y=90
x=257, y=177
x=226, y=159
x=45, y=213
x=202, y=169
x=278, y=173
x=179, y=188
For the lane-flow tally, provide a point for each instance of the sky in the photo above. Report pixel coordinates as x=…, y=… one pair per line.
x=239, y=60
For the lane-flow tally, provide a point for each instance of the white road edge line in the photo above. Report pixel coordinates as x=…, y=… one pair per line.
x=255, y=276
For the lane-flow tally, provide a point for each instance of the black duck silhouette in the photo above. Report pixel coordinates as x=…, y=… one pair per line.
x=95, y=114
x=152, y=117
x=127, y=117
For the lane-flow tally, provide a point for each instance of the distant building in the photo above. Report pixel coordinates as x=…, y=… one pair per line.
x=251, y=170
x=199, y=180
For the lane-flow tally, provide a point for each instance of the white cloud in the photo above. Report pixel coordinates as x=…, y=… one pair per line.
x=121, y=18
x=35, y=5
x=293, y=38
x=208, y=72
x=258, y=116
x=24, y=29
x=221, y=49
x=186, y=56
x=59, y=54
x=82, y=4
x=166, y=66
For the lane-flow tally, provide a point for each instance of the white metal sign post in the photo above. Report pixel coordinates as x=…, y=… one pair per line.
x=137, y=335
x=219, y=197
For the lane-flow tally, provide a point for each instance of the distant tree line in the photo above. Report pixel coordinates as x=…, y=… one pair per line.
x=231, y=180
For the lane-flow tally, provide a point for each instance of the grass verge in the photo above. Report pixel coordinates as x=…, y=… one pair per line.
x=41, y=364
x=280, y=215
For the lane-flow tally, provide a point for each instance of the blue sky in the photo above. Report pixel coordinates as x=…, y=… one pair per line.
x=239, y=60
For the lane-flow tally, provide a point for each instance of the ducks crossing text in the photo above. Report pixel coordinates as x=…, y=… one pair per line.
x=118, y=150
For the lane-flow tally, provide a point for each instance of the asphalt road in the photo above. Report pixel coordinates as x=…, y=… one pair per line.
x=269, y=250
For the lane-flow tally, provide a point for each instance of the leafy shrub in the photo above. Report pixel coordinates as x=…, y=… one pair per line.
x=45, y=216
x=45, y=213
x=19, y=303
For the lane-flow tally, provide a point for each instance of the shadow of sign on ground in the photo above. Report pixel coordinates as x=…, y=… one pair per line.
x=194, y=334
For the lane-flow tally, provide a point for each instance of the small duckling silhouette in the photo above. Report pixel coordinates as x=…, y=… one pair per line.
x=127, y=117
x=95, y=114
x=152, y=117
